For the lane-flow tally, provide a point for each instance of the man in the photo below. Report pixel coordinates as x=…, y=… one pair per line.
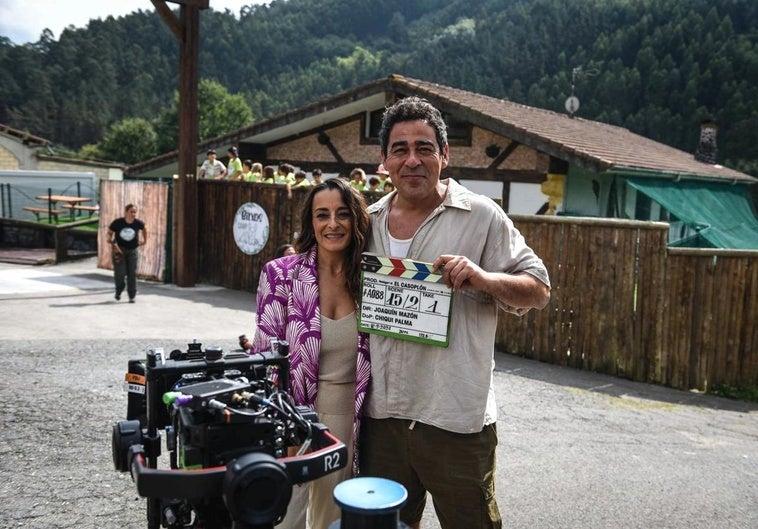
x=212, y=168
x=430, y=416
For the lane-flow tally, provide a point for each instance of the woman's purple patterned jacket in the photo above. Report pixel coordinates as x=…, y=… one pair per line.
x=288, y=309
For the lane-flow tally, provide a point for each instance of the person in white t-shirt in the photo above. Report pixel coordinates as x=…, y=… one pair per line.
x=212, y=168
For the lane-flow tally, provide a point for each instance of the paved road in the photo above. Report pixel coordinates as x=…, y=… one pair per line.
x=578, y=450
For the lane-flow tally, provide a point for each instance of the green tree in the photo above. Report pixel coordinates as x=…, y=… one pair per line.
x=219, y=112
x=91, y=151
x=130, y=141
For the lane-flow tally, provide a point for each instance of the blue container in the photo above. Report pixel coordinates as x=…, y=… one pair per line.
x=370, y=503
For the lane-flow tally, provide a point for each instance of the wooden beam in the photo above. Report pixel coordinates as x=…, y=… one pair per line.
x=200, y=4
x=500, y=158
x=326, y=141
x=168, y=17
x=186, y=28
x=185, y=197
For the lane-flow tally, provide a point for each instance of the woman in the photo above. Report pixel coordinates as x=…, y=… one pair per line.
x=125, y=235
x=329, y=359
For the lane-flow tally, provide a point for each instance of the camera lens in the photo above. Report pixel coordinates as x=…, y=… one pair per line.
x=257, y=489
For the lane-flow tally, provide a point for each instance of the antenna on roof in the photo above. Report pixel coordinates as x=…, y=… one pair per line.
x=572, y=102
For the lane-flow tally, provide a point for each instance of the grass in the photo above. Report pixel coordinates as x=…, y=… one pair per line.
x=65, y=219
x=746, y=392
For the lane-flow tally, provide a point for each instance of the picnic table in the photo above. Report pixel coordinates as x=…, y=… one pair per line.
x=71, y=202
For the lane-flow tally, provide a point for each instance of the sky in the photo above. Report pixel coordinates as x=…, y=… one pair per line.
x=22, y=21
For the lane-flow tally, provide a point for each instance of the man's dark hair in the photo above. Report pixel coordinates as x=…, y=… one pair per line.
x=412, y=109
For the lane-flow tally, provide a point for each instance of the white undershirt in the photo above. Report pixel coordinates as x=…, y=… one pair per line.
x=399, y=247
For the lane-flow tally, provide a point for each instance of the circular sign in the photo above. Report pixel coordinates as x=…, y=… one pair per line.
x=572, y=104
x=250, y=228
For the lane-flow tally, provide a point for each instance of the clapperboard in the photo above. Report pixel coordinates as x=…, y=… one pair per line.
x=404, y=299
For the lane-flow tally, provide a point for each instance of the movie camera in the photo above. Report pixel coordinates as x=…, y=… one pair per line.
x=229, y=424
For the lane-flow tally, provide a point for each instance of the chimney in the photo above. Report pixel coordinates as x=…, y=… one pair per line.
x=706, y=149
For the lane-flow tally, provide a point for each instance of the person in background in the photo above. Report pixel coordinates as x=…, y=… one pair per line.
x=247, y=174
x=358, y=179
x=430, y=412
x=373, y=183
x=310, y=299
x=301, y=180
x=383, y=174
x=257, y=170
x=284, y=250
x=212, y=168
x=316, y=175
x=234, y=167
x=269, y=175
x=285, y=174
x=388, y=186
x=125, y=235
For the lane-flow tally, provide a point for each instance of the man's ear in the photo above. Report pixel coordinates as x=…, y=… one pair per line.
x=445, y=156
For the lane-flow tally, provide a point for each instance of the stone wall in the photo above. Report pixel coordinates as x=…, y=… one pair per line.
x=8, y=160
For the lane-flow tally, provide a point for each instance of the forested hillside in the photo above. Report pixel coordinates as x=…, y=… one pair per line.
x=656, y=67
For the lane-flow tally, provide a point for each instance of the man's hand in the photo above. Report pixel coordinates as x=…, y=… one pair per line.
x=459, y=272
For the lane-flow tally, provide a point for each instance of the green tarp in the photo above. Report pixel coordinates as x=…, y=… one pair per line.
x=722, y=214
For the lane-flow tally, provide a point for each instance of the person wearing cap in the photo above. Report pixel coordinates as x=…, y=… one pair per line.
x=211, y=167
x=383, y=175
x=234, y=168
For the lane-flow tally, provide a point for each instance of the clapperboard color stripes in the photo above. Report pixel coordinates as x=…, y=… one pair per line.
x=404, y=299
x=406, y=268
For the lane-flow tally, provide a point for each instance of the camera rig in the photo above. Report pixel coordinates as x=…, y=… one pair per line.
x=229, y=423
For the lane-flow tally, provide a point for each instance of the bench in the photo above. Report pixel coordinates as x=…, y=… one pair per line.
x=37, y=211
x=76, y=207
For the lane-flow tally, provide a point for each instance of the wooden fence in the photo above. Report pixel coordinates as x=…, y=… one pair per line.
x=220, y=260
x=153, y=208
x=622, y=303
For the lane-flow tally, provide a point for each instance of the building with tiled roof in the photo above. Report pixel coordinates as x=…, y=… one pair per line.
x=29, y=166
x=542, y=161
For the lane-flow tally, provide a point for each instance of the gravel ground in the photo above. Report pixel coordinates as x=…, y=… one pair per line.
x=577, y=449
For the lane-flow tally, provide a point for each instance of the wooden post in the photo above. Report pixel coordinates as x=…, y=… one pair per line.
x=187, y=30
x=60, y=236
